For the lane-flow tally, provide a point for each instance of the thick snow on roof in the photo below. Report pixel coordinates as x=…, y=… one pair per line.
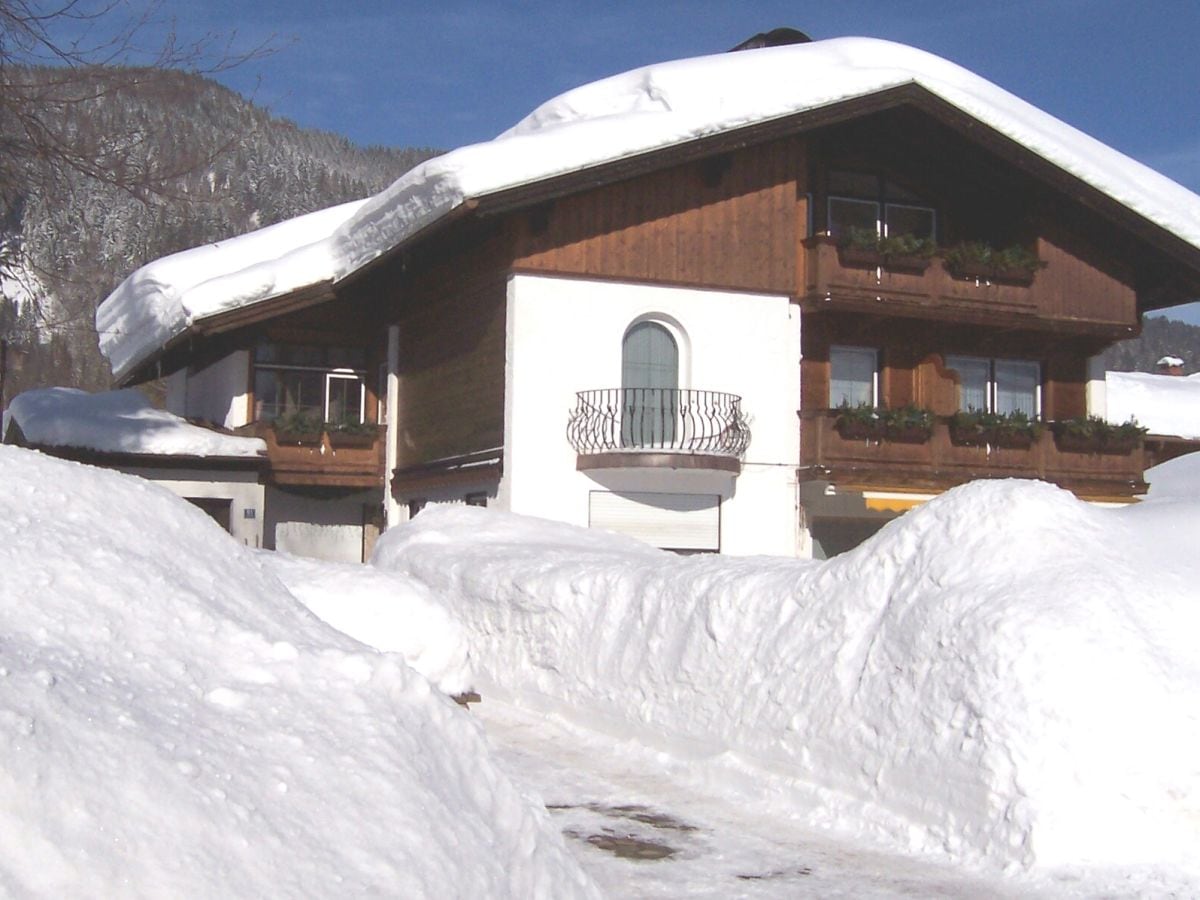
x=643, y=110
x=162, y=298
x=118, y=422
x=1166, y=404
x=176, y=724
x=1006, y=674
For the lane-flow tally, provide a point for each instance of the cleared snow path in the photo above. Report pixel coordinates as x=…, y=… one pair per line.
x=611, y=797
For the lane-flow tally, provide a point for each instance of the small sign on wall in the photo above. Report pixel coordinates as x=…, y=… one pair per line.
x=249, y=514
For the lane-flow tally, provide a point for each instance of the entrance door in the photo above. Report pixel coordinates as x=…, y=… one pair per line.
x=650, y=386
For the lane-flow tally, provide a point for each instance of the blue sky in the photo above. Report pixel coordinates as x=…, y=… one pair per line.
x=442, y=75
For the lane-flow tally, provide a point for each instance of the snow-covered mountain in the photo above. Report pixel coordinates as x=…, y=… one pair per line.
x=76, y=237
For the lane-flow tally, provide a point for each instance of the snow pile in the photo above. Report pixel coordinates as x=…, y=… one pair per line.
x=637, y=112
x=1005, y=674
x=1166, y=404
x=1176, y=479
x=117, y=422
x=383, y=610
x=175, y=724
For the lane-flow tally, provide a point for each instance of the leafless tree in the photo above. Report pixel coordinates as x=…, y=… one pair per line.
x=57, y=56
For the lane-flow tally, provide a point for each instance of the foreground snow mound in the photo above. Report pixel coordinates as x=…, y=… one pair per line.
x=383, y=609
x=174, y=724
x=1006, y=674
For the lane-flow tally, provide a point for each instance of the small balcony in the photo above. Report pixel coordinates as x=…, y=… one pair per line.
x=658, y=427
x=321, y=456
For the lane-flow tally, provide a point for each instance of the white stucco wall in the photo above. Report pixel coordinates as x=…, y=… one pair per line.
x=240, y=488
x=218, y=393
x=320, y=527
x=564, y=335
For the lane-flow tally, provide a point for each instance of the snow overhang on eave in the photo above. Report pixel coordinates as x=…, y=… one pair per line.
x=177, y=351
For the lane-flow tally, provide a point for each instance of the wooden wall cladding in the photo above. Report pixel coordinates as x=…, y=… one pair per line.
x=725, y=222
x=912, y=360
x=451, y=314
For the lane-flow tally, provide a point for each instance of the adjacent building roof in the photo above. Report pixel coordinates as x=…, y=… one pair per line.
x=617, y=118
x=121, y=422
x=1168, y=405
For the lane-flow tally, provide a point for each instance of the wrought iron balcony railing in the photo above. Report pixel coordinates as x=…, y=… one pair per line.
x=662, y=419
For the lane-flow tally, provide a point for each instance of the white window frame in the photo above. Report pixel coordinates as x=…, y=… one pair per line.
x=347, y=375
x=874, y=351
x=991, y=380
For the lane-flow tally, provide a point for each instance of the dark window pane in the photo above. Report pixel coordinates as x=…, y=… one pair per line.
x=846, y=214
x=914, y=220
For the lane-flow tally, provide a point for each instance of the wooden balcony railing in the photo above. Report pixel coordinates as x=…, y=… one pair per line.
x=913, y=287
x=938, y=463
x=322, y=458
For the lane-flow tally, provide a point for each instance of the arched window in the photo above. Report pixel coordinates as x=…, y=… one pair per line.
x=649, y=386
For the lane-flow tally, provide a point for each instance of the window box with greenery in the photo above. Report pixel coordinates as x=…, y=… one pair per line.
x=351, y=434
x=1014, y=264
x=297, y=427
x=906, y=425
x=1012, y=430
x=858, y=248
x=864, y=248
x=1091, y=434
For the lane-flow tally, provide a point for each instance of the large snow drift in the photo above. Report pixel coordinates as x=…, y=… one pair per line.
x=175, y=724
x=637, y=112
x=1166, y=404
x=1005, y=674
x=117, y=422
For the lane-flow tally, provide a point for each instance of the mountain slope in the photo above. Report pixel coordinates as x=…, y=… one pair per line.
x=68, y=238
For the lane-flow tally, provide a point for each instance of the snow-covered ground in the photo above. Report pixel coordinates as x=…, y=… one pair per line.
x=996, y=696
x=173, y=723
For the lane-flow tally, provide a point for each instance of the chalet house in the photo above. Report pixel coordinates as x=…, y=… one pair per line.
x=758, y=302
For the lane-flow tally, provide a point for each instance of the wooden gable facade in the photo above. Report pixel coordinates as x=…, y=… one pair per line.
x=748, y=211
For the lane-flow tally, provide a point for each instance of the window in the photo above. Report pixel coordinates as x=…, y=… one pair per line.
x=853, y=378
x=649, y=386
x=1001, y=386
x=867, y=202
x=325, y=383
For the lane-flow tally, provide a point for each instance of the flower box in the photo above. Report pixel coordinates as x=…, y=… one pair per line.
x=907, y=434
x=857, y=430
x=1010, y=439
x=297, y=438
x=348, y=439
x=968, y=436
x=1018, y=277
x=914, y=265
x=859, y=257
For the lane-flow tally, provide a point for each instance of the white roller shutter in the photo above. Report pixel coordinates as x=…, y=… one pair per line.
x=671, y=521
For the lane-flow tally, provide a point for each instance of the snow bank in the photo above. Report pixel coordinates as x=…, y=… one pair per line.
x=1005, y=674
x=637, y=112
x=384, y=610
x=1166, y=404
x=175, y=724
x=117, y=422
x=1176, y=479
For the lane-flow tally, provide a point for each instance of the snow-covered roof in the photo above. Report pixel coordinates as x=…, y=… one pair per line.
x=1166, y=404
x=118, y=422
x=637, y=112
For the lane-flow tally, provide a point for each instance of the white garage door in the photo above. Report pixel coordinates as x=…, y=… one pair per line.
x=671, y=521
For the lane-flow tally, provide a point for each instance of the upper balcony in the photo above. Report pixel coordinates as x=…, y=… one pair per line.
x=934, y=460
x=913, y=285
x=613, y=428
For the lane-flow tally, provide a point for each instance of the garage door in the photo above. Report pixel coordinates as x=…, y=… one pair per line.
x=670, y=521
